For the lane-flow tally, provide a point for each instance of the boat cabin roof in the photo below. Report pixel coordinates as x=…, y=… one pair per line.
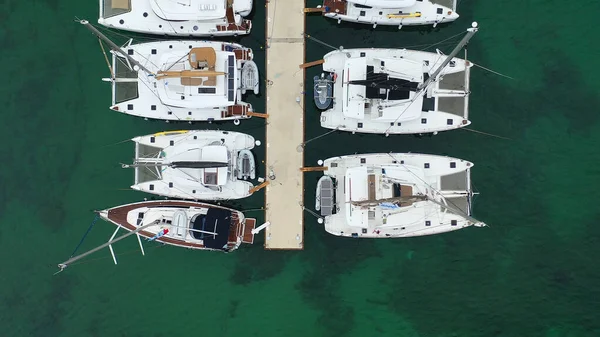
x=217, y=155
x=369, y=81
x=379, y=184
x=385, y=3
x=202, y=58
x=183, y=10
x=205, y=79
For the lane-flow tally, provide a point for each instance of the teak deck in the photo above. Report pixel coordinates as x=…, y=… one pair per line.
x=285, y=127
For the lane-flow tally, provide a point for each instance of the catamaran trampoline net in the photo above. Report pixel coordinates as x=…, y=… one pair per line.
x=114, y=7
x=462, y=203
x=124, y=91
x=455, y=182
x=446, y=3
x=147, y=173
x=145, y=151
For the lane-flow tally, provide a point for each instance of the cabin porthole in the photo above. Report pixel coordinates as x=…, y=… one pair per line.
x=236, y=121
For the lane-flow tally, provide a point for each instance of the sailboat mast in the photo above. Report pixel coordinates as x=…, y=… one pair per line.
x=113, y=45
x=81, y=256
x=470, y=32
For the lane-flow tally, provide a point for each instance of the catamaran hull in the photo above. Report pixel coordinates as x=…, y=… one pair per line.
x=421, y=13
x=451, y=95
x=450, y=175
x=138, y=16
x=184, y=186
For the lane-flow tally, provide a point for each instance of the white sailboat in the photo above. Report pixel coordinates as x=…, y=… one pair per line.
x=177, y=223
x=398, y=91
x=391, y=12
x=178, y=17
x=391, y=195
x=181, y=80
x=196, y=164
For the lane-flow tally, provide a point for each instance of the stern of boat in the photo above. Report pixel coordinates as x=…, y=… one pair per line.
x=248, y=226
x=241, y=230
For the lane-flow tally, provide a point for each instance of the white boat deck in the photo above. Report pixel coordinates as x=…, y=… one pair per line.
x=285, y=128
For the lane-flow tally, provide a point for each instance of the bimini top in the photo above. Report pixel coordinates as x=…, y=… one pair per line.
x=375, y=80
x=216, y=220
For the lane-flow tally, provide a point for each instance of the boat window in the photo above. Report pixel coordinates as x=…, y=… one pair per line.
x=397, y=192
x=210, y=178
x=362, y=6
x=198, y=222
x=207, y=90
x=114, y=7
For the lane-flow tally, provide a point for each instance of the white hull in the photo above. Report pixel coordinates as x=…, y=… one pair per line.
x=420, y=13
x=379, y=178
x=141, y=16
x=442, y=106
x=191, y=183
x=139, y=94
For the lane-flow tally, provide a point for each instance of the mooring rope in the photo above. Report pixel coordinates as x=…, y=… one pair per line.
x=84, y=235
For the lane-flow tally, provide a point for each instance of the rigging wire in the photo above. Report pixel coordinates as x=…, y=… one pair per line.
x=432, y=188
x=491, y=71
x=485, y=133
x=85, y=235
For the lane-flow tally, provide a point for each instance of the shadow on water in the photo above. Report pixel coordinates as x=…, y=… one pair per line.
x=329, y=259
x=247, y=270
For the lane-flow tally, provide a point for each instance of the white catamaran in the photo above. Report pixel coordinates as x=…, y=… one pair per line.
x=197, y=165
x=391, y=195
x=391, y=12
x=398, y=91
x=181, y=80
x=178, y=17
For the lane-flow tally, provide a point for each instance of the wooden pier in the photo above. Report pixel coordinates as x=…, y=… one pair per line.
x=285, y=128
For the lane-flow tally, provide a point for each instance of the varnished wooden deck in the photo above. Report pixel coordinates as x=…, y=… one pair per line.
x=285, y=127
x=118, y=215
x=247, y=236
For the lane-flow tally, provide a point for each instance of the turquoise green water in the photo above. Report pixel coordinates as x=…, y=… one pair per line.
x=531, y=273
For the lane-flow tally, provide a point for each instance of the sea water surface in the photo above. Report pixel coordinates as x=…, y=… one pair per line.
x=532, y=272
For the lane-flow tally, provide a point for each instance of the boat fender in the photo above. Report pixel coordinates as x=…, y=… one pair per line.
x=334, y=77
